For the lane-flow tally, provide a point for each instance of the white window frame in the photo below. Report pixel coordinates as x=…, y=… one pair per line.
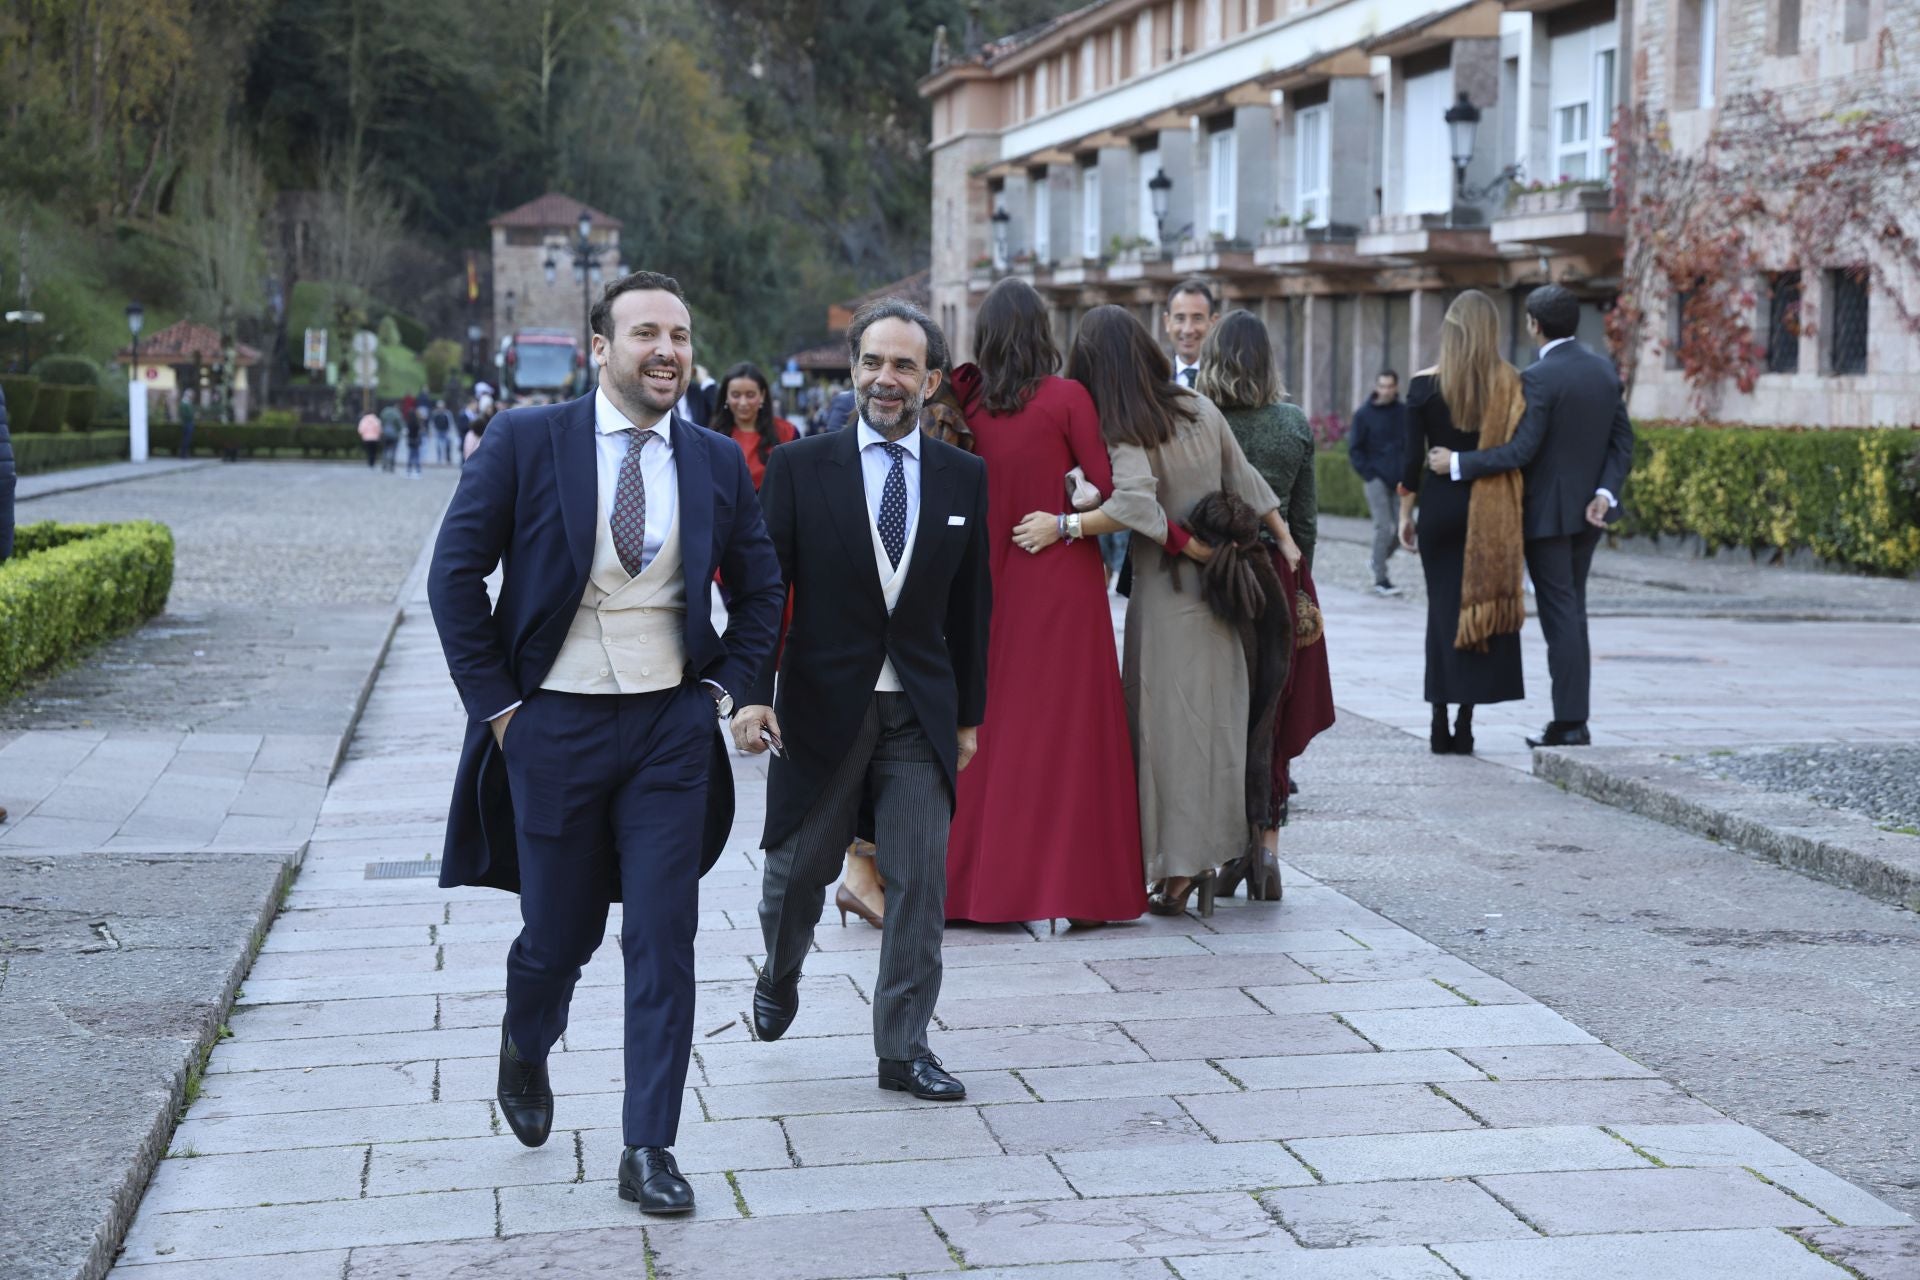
x=1312, y=156
x=1222, y=183
x=1588, y=90
x=1426, y=161
x=1042, y=220
x=1090, y=211
x=1709, y=51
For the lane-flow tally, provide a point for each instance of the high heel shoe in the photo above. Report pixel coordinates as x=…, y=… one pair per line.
x=1230, y=875
x=1438, y=739
x=847, y=900
x=1463, y=731
x=1263, y=880
x=1162, y=903
x=1075, y=922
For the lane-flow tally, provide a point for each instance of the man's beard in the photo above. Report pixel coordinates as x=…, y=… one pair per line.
x=909, y=414
x=639, y=392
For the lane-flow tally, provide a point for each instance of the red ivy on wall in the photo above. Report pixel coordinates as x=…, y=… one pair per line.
x=1769, y=190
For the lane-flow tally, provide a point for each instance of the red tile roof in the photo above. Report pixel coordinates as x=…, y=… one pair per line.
x=186, y=342
x=553, y=210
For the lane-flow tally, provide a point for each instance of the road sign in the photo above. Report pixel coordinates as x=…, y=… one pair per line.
x=316, y=350
x=366, y=341
x=793, y=378
x=366, y=369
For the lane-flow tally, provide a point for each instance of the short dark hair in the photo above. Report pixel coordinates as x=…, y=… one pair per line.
x=1387, y=373
x=601, y=317
x=1555, y=310
x=897, y=309
x=1193, y=284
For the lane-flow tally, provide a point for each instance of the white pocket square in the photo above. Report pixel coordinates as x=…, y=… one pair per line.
x=953, y=520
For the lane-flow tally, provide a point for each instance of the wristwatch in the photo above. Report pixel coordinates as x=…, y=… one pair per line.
x=722, y=701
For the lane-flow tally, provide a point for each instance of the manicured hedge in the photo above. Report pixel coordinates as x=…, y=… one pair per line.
x=35, y=452
x=1340, y=489
x=21, y=390
x=1850, y=496
x=49, y=410
x=69, y=587
x=82, y=402
x=256, y=437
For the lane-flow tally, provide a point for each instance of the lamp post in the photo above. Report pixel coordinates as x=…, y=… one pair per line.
x=586, y=269
x=1463, y=120
x=1002, y=229
x=1160, y=191
x=136, y=388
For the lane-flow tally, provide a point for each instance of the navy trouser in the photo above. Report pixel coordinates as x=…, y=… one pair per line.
x=1558, y=567
x=610, y=789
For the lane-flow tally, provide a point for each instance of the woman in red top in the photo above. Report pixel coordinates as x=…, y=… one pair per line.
x=746, y=407
x=1046, y=824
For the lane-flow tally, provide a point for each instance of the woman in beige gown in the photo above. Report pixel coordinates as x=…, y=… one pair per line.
x=1183, y=671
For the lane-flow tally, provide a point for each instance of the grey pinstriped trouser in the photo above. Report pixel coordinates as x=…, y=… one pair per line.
x=892, y=758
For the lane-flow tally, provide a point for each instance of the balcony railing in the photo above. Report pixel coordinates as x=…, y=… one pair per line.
x=1571, y=215
x=1295, y=244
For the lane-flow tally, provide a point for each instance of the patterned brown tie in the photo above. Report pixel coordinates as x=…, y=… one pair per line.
x=628, y=520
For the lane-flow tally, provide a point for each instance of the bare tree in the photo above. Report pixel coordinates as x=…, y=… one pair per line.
x=358, y=227
x=218, y=222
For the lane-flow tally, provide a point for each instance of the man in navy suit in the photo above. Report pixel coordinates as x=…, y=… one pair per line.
x=594, y=770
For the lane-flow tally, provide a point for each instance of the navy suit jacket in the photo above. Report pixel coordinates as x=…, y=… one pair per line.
x=1574, y=438
x=529, y=501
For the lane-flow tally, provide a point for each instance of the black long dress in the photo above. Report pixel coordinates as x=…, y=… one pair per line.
x=1453, y=675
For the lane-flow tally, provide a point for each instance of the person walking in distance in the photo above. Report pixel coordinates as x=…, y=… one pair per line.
x=881, y=533
x=1377, y=448
x=593, y=768
x=1190, y=314
x=1573, y=449
x=369, y=432
x=441, y=422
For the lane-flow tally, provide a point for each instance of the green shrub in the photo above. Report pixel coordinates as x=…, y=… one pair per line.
x=254, y=438
x=37, y=453
x=441, y=358
x=413, y=334
x=82, y=403
x=277, y=418
x=68, y=371
x=69, y=587
x=1341, y=491
x=1850, y=496
x=49, y=409
x=21, y=390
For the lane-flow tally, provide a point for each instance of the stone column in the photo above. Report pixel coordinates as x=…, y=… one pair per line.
x=1427, y=307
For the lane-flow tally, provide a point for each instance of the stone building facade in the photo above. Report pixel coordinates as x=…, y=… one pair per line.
x=1706, y=67
x=1309, y=167
x=524, y=240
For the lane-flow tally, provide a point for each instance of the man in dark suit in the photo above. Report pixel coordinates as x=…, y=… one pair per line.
x=881, y=533
x=593, y=769
x=1574, y=447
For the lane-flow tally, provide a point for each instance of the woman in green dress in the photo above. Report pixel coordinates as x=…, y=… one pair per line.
x=1237, y=373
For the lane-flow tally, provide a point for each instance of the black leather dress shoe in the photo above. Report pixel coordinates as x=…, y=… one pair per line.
x=1563, y=734
x=650, y=1179
x=775, y=1005
x=923, y=1077
x=524, y=1094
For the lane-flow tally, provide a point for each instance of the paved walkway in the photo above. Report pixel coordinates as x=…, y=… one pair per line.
x=48, y=483
x=1306, y=1090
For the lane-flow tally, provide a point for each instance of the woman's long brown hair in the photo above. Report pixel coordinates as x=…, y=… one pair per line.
x=1013, y=345
x=1126, y=373
x=1473, y=378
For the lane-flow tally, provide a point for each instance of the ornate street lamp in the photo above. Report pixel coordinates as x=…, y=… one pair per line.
x=1160, y=191
x=1002, y=229
x=1463, y=120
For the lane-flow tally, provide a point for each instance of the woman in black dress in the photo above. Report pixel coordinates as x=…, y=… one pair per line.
x=1471, y=363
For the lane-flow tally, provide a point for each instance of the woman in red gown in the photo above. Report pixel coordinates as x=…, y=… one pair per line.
x=745, y=412
x=1046, y=825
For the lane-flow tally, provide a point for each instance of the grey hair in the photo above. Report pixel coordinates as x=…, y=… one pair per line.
x=898, y=309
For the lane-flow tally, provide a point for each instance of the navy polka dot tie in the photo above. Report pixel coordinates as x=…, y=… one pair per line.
x=893, y=505
x=628, y=519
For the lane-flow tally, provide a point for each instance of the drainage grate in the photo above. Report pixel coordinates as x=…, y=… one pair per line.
x=403, y=870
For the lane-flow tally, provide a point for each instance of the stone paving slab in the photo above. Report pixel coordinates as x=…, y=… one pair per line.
x=1388, y=1213
x=1690, y=1255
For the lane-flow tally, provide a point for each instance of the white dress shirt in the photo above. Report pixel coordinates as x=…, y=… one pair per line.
x=1179, y=371
x=656, y=469
x=875, y=462
x=1545, y=347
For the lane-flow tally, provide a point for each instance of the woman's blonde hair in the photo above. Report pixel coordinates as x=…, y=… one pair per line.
x=1472, y=375
x=1236, y=364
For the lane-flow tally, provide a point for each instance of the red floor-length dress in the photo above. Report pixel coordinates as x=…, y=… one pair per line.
x=1047, y=824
